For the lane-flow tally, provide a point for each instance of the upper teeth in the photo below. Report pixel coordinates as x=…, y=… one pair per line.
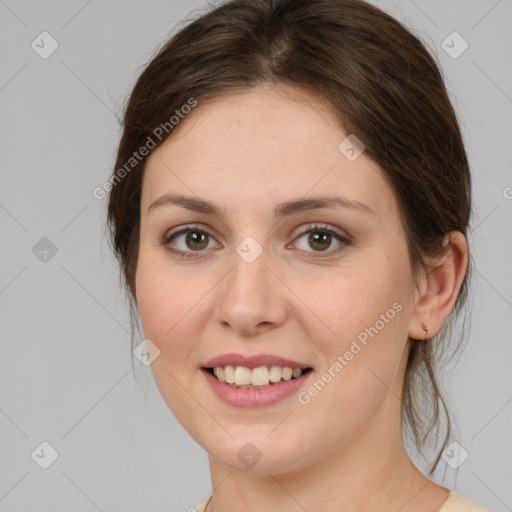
x=261, y=376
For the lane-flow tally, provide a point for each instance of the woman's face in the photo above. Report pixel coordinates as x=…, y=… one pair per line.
x=274, y=272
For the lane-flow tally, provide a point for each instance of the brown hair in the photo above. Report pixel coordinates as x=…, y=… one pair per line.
x=382, y=84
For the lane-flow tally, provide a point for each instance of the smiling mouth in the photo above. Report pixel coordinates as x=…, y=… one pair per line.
x=255, y=378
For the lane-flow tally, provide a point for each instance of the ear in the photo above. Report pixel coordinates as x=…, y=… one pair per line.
x=440, y=287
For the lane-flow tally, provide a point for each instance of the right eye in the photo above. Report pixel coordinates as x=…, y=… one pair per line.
x=192, y=240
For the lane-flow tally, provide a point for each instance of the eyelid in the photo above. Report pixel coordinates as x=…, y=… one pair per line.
x=205, y=228
x=322, y=226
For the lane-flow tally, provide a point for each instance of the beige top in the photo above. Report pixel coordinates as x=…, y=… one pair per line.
x=454, y=503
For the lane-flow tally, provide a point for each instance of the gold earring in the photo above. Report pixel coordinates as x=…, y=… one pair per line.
x=425, y=331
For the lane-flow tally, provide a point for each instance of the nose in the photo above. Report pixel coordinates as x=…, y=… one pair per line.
x=251, y=299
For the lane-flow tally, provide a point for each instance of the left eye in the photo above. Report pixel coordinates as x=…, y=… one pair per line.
x=321, y=239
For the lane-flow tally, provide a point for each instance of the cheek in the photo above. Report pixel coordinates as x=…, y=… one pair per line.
x=353, y=302
x=366, y=313
x=164, y=295
x=170, y=309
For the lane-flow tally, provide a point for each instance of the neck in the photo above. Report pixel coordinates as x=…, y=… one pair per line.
x=362, y=476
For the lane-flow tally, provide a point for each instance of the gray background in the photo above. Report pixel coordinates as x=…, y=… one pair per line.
x=65, y=370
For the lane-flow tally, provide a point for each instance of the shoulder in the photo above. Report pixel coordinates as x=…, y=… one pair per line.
x=457, y=503
x=202, y=506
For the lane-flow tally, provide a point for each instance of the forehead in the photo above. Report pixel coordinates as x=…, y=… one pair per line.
x=258, y=145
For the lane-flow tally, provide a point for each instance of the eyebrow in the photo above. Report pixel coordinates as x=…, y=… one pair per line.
x=285, y=209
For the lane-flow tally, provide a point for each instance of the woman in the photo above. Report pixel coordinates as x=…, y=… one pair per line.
x=289, y=207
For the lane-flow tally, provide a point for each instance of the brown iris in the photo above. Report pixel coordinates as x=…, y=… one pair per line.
x=322, y=240
x=196, y=240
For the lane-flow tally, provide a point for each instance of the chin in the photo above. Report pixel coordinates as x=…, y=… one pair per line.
x=256, y=455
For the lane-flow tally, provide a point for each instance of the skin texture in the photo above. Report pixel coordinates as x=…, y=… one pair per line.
x=247, y=152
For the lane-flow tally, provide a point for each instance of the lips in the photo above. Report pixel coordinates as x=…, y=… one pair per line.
x=253, y=361
x=259, y=396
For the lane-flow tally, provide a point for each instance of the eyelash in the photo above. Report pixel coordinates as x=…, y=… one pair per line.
x=345, y=240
